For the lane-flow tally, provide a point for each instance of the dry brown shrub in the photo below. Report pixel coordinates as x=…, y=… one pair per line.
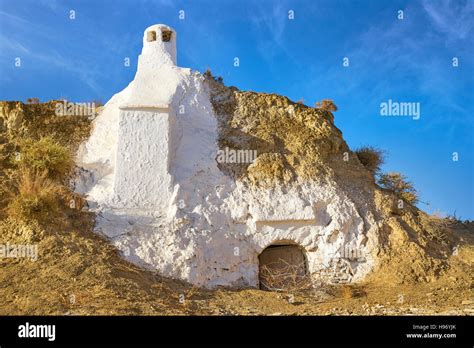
x=35, y=198
x=371, y=157
x=287, y=278
x=33, y=100
x=326, y=105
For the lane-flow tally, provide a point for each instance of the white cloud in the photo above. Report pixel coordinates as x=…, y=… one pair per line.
x=453, y=18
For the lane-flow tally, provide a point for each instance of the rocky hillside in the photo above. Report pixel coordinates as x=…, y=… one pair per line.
x=428, y=261
x=19, y=121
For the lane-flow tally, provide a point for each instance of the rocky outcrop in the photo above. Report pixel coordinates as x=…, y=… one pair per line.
x=11, y=115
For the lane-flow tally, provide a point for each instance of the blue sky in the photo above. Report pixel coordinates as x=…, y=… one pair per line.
x=408, y=60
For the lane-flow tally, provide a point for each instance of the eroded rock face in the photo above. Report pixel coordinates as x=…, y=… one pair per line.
x=11, y=115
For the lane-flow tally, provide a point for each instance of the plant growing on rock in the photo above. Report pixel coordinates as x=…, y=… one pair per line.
x=33, y=100
x=398, y=184
x=326, y=105
x=371, y=157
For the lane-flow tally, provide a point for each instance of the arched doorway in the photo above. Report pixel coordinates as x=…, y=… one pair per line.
x=282, y=266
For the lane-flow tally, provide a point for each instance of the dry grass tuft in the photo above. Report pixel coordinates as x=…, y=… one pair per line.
x=45, y=156
x=346, y=292
x=35, y=198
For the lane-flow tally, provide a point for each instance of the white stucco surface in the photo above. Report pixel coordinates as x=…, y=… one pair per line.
x=142, y=178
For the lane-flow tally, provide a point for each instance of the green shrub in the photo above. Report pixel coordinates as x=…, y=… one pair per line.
x=371, y=157
x=398, y=184
x=45, y=156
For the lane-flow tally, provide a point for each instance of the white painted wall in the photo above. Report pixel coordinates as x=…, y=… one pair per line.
x=142, y=178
